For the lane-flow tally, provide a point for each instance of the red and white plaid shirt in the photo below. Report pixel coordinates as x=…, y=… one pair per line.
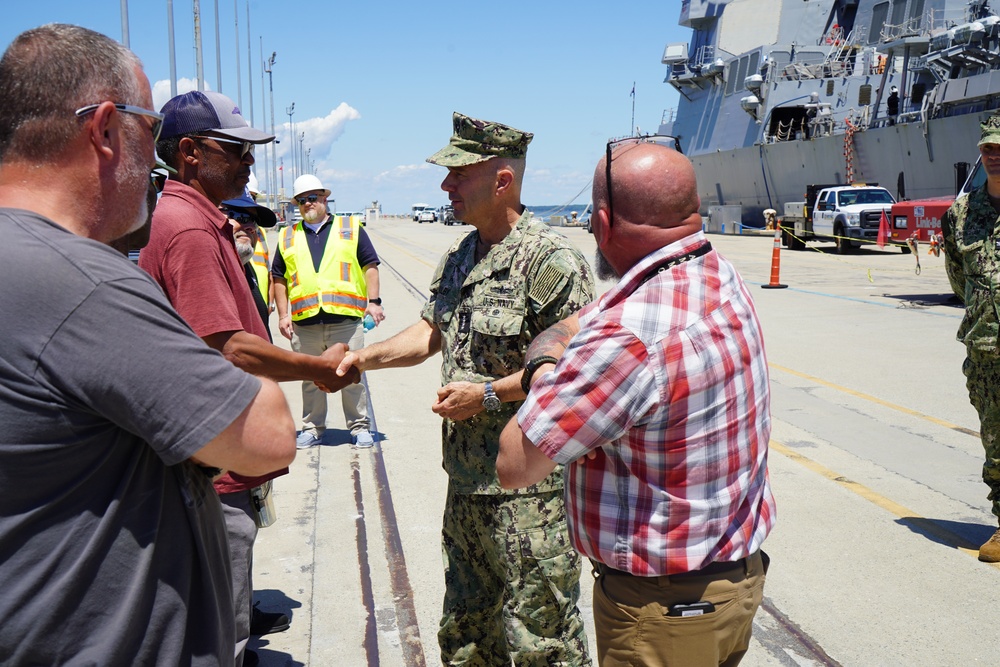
x=667, y=381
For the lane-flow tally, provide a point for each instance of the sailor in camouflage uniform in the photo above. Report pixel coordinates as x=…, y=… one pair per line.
x=972, y=258
x=511, y=575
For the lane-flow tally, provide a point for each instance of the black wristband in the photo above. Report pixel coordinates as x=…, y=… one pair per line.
x=377, y=302
x=529, y=370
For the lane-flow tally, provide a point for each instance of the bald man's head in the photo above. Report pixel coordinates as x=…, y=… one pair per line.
x=653, y=185
x=655, y=200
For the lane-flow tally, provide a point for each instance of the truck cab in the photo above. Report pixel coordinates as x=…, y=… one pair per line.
x=850, y=213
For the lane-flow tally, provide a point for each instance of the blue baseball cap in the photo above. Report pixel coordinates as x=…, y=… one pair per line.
x=264, y=216
x=208, y=111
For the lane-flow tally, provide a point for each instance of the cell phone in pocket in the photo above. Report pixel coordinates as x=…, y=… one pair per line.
x=691, y=609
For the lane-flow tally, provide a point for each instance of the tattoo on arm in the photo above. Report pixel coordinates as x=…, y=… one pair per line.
x=552, y=342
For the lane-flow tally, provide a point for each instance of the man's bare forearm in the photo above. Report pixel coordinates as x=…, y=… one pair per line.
x=259, y=357
x=409, y=347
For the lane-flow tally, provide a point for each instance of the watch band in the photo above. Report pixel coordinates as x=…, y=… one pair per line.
x=530, y=367
x=491, y=402
x=377, y=302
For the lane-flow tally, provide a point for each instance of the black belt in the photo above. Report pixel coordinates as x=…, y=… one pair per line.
x=721, y=567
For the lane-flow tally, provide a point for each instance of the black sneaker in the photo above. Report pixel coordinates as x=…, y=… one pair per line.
x=265, y=622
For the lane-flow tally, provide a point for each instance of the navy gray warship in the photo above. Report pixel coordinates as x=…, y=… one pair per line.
x=779, y=94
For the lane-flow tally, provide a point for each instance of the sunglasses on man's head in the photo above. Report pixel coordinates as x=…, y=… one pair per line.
x=614, y=144
x=228, y=144
x=311, y=199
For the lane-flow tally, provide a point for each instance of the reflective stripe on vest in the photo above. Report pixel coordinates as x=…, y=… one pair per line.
x=260, y=265
x=339, y=288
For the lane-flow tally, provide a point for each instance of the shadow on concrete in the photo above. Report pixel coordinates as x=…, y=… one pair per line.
x=955, y=534
x=338, y=437
x=928, y=299
x=272, y=600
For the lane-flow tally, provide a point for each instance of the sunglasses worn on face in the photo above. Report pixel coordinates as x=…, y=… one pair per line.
x=614, y=144
x=128, y=108
x=245, y=146
x=158, y=180
x=245, y=219
x=312, y=199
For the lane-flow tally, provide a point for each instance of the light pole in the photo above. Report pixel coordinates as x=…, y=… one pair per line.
x=309, y=162
x=273, y=176
x=199, y=65
x=291, y=135
x=302, y=163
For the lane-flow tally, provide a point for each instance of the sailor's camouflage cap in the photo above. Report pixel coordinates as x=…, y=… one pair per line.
x=991, y=130
x=477, y=140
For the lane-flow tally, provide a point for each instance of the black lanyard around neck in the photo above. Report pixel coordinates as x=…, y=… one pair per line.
x=676, y=260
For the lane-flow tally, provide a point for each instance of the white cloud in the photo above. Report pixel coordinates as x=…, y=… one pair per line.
x=320, y=133
x=161, y=90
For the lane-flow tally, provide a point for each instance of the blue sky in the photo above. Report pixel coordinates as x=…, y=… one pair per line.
x=375, y=83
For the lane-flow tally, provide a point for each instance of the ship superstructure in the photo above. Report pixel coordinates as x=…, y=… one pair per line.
x=778, y=94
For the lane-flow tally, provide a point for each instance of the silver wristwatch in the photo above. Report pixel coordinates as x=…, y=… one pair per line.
x=490, y=400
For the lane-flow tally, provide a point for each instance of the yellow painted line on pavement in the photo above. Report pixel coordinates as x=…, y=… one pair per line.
x=875, y=399
x=911, y=518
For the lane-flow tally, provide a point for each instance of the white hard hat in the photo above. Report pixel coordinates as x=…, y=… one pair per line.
x=893, y=89
x=252, y=185
x=306, y=183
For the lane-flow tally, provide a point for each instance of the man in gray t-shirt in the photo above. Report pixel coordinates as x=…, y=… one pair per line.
x=112, y=412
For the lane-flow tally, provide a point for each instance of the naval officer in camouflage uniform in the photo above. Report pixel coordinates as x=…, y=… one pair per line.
x=511, y=576
x=972, y=258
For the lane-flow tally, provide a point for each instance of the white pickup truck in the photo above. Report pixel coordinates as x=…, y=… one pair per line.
x=844, y=214
x=428, y=214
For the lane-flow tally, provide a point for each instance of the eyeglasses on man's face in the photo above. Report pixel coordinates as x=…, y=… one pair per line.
x=308, y=199
x=242, y=217
x=157, y=180
x=230, y=145
x=615, y=144
x=128, y=108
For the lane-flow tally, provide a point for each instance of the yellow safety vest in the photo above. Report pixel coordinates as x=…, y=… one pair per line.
x=260, y=265
x=340, y=287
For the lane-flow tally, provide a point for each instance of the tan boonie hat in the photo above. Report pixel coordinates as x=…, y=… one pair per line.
x=479, y=140
x=991, y=130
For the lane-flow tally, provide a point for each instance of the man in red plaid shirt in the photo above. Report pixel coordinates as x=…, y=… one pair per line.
x=659, y=408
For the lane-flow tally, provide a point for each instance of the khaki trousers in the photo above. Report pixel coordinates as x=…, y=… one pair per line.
x=633, y=628
x=315, y=339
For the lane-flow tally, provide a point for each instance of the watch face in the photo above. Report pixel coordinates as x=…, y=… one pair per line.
x=491, y=403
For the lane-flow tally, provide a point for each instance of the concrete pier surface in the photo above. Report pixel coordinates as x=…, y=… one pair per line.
x=875, y=462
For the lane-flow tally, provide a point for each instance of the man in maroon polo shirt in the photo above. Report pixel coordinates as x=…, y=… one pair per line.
x=192, y=255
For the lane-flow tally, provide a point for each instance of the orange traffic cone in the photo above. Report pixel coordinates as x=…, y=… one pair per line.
x=775, y=260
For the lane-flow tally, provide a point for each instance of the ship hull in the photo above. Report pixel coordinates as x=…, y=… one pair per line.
x=770, y=175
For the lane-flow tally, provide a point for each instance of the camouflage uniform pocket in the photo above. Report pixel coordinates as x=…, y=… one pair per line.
x=551, y=568
x=497, y=325
x=981, y=327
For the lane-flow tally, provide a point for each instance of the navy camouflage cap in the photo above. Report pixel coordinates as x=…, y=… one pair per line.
x=991, y=130
x=479, y=140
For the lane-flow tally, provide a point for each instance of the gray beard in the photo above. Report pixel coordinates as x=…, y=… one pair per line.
x=603, y=268
x=245, y=251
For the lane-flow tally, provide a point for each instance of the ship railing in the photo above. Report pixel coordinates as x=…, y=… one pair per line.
x=704, y=56
x=910, y=27
x=798, y=71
